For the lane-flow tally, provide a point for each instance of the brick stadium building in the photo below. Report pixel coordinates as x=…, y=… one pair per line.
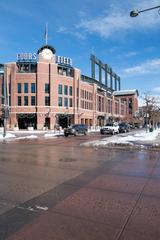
x=44, y=90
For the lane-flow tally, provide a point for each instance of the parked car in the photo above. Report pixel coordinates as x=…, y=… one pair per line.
x=124, y=127
x=110, y=128
x=75, y=130
x=132, y=126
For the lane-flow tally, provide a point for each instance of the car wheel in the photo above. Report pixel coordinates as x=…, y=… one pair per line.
x=76, y=133
x=66, y=135
x=113, y=132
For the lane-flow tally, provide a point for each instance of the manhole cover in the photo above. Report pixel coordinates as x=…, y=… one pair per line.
x=67, y=160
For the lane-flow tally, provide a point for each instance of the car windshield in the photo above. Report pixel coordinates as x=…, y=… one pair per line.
x=122, y=124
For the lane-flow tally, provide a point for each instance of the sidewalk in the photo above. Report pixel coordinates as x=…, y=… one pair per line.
x=33, y=134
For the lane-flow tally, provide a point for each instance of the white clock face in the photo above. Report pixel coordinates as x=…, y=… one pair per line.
x=47, y=54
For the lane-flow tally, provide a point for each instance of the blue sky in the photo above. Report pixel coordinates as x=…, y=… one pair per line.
x=131, y=46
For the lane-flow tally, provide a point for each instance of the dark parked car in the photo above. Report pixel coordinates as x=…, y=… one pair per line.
x=75, y=130
x=124, y=127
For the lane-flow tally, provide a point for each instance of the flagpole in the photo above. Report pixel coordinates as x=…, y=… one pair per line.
x=46, y=33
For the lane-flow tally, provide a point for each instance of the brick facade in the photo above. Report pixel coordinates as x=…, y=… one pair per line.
x=54, y=94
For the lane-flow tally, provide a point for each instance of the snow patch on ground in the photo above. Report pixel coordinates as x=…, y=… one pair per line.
x=8, y=135
x=28, y=137
x=49, y=135
x=142, y=136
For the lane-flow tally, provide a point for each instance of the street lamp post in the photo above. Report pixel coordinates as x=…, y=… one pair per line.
x=135, y=13
x=5, y=107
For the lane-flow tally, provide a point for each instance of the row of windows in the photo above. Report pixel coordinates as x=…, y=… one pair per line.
x=25, y=87
x=25, y=101
x=86, y=105
x=67, y=102
x=100, y=106
x=86, y=95
x=47, y=88
x=61, y=89
x=65, y=71
x=66, y=88
x=26, y=67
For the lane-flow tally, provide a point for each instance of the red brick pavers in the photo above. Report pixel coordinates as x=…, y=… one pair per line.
x=122, y=202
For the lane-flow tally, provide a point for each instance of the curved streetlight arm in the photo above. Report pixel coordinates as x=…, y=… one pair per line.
x=135, y=13
x=148, y=9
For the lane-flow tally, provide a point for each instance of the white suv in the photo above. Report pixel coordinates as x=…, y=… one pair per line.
x=110, y=128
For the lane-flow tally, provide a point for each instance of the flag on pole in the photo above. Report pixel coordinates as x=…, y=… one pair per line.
x=46, y=33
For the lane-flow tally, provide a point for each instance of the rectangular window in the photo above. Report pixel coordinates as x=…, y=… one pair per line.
x=60, y=101
x=122, y=109
x=9, y=88
x=102, y=104
x=19, y=87
x=130, y=106
x=70, y=90
x=25, y=87
x=116, y=108
x=60, y=89
x=33, y=100
x=33, y=87
x=47, y=100
x=19, y=102
x=109, y=106
x=47, y=88
x=99, y=102
x=66, y=102
x=70, y=102
x=25, y=100
x=65, y=90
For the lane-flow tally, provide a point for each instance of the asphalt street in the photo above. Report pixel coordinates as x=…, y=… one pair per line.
x=55, y=189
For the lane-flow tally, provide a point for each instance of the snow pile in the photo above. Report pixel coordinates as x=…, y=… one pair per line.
x=50, y=135
x=28, y=137
x=140, y=137
x=8, y=135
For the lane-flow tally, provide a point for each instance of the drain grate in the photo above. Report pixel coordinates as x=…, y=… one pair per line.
x=67, y=160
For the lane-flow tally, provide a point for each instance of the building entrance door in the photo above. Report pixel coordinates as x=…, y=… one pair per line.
x=47, y=122
x=27, y=120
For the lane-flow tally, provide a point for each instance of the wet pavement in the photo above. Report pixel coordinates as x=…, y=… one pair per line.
x=58, y=190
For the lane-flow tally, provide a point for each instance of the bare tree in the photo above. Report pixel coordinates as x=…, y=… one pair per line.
x=151, y=111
